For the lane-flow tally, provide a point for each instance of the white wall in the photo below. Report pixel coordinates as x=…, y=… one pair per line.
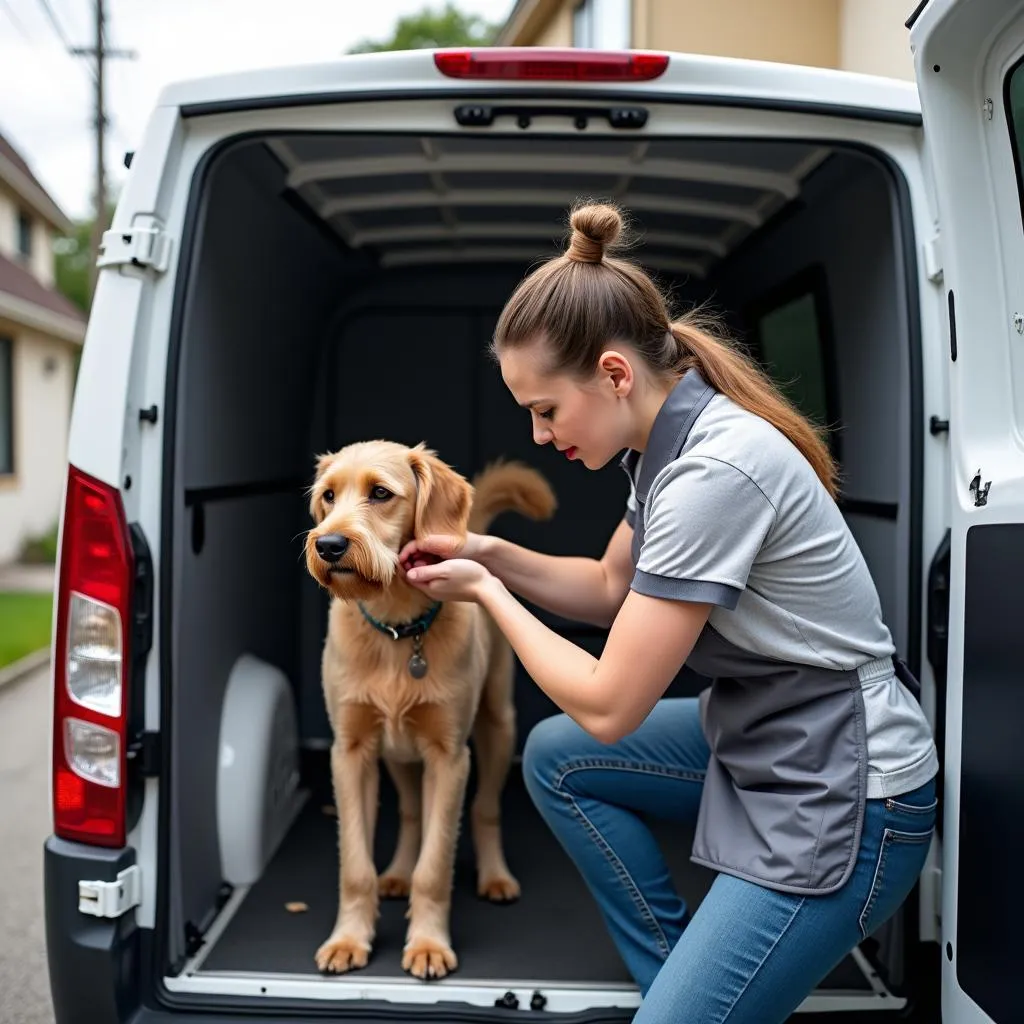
x=30, y=500
x=873, y=38
x=41, y=265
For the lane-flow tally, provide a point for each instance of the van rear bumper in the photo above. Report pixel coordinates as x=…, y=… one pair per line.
x=93, y=962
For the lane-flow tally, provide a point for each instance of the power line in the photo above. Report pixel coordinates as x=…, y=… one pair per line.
x=45, y=4
x=14, y=20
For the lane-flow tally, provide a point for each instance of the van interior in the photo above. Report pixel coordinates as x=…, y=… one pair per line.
x=339, y=287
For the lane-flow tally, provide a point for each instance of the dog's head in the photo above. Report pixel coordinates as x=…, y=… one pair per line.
x=368, y=500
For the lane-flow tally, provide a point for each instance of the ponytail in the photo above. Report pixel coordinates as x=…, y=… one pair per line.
x=733, y=374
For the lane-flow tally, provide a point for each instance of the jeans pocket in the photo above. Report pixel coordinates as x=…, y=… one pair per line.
x=901, y=857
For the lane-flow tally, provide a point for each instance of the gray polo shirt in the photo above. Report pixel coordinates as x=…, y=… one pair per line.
x=740, y=520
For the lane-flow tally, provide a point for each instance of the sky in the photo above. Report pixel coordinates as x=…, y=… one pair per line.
x=47, y=95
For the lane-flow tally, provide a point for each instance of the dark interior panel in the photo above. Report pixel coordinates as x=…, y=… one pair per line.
x=988, y=940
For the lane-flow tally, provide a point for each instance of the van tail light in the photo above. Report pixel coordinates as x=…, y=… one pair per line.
x=94, y=597
x=542, y=64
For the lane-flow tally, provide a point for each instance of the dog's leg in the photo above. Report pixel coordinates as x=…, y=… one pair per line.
x=494, y=737
x=408, y=779
x=353, y=767
x=428, y=951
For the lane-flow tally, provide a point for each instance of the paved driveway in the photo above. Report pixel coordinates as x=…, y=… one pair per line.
x=24, y=825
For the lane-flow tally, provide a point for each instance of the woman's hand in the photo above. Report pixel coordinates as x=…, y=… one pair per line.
x=437, y=546
x=454, y=579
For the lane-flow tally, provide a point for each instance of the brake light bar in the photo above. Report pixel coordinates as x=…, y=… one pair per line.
x=534, y=63
x=93, y=608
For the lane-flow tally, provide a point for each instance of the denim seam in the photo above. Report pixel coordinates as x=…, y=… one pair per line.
x=646, y=914
x=764, y=959
x=889, y=836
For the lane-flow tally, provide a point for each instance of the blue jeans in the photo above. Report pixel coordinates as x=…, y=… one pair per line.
x=749, y=954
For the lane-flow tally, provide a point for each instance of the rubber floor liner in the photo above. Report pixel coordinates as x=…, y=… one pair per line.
x=553, y=933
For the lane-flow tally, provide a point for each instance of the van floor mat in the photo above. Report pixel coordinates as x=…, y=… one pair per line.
x=554, y=932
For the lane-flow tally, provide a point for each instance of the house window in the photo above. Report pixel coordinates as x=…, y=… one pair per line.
x=6, y=407
x=793, y=341
x=602, y=24
x=24, y=235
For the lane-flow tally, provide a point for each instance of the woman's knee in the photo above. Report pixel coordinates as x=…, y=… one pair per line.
x=549, y=744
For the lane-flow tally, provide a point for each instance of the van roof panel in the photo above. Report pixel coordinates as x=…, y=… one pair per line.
x=719, y=79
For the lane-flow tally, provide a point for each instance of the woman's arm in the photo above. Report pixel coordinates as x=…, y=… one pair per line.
x=610, y=697
x=583, y=589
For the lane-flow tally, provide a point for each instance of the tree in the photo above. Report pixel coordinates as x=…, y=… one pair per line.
x=430, y=28
x=73, y=257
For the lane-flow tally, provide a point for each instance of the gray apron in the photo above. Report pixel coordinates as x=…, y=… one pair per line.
x=784, y=795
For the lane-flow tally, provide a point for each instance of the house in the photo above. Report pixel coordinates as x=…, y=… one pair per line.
x=867, y=36
x=41, y=333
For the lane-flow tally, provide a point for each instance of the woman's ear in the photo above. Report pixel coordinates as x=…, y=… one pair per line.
x=443, y=497
x=617, y=370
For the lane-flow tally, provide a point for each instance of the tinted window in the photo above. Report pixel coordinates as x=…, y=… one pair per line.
x=1015, y=112
x=793, y=342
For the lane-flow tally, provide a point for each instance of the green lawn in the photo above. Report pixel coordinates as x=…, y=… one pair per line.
x=24, y=625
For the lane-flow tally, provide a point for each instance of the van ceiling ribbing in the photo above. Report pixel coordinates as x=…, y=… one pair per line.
x=417, y=200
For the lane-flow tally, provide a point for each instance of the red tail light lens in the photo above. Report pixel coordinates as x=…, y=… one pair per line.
x=541, y=64
x=90, y=665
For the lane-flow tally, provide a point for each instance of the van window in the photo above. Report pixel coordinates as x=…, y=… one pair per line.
x=1015, y=115
x=6, y=407
x=792, y=340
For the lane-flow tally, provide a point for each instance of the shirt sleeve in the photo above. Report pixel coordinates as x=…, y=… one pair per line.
x=706, y=523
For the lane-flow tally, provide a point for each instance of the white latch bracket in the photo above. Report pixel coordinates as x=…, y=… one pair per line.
x=111, y=899
x=932, y=250
x=144, y=244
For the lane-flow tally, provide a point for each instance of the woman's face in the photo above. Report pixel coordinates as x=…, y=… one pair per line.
x=586, y=420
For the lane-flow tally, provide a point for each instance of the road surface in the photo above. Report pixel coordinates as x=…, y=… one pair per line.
x=24, y=825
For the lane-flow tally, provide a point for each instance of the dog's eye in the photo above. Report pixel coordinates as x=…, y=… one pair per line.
x=380, y=494
x=328, y=497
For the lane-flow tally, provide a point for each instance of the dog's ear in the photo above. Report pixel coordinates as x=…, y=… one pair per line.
x=443, y=497
x=322, y=462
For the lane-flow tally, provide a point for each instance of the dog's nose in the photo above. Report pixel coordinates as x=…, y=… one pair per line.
x=331, y=546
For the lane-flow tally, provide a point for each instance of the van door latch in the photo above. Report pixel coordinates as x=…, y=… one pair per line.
x=980, y=493
x=111, y=899
x=144, y=244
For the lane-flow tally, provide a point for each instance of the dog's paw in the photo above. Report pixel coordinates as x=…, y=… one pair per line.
x=393, y=886
x=341, y=954
x=499, y=889
x=428, y=959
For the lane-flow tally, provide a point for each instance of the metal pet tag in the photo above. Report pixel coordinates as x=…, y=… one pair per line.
x=417, y=663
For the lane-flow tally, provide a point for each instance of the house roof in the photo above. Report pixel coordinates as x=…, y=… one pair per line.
x=26, y=300
x=16, y=173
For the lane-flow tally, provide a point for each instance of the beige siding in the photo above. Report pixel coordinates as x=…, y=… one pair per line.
x=8, y=225
x=558, y=31
x=42, y=266
x=873, y=39
x=30, y=500
x=787, y=31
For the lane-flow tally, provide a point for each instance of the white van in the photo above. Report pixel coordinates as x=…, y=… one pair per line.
x=306, y=257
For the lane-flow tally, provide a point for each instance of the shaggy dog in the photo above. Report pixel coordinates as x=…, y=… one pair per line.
x=408, y=681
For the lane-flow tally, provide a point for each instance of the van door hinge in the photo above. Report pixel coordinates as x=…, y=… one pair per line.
x=980, y=493
x=111, y=899
x=144, y=244
x=144, y=753
x=932, y=253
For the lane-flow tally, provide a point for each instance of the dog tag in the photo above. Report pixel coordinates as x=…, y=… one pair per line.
x=417, y=663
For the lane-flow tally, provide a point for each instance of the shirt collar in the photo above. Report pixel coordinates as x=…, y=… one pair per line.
x=675, y=419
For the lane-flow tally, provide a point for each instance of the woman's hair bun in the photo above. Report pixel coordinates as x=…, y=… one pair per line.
x=594, y=228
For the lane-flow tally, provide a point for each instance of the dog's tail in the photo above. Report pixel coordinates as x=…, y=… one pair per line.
x=504, y=486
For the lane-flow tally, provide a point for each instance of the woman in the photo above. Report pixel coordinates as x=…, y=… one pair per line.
x=808, y=767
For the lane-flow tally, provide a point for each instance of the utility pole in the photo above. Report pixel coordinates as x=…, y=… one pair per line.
x=101, y=53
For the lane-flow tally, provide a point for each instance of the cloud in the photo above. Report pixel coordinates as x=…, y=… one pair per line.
x=46, y=95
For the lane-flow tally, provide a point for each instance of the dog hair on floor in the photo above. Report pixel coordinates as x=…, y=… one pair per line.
x=368, y=500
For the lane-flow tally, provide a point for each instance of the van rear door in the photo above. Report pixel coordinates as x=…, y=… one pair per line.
x=969, y=58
